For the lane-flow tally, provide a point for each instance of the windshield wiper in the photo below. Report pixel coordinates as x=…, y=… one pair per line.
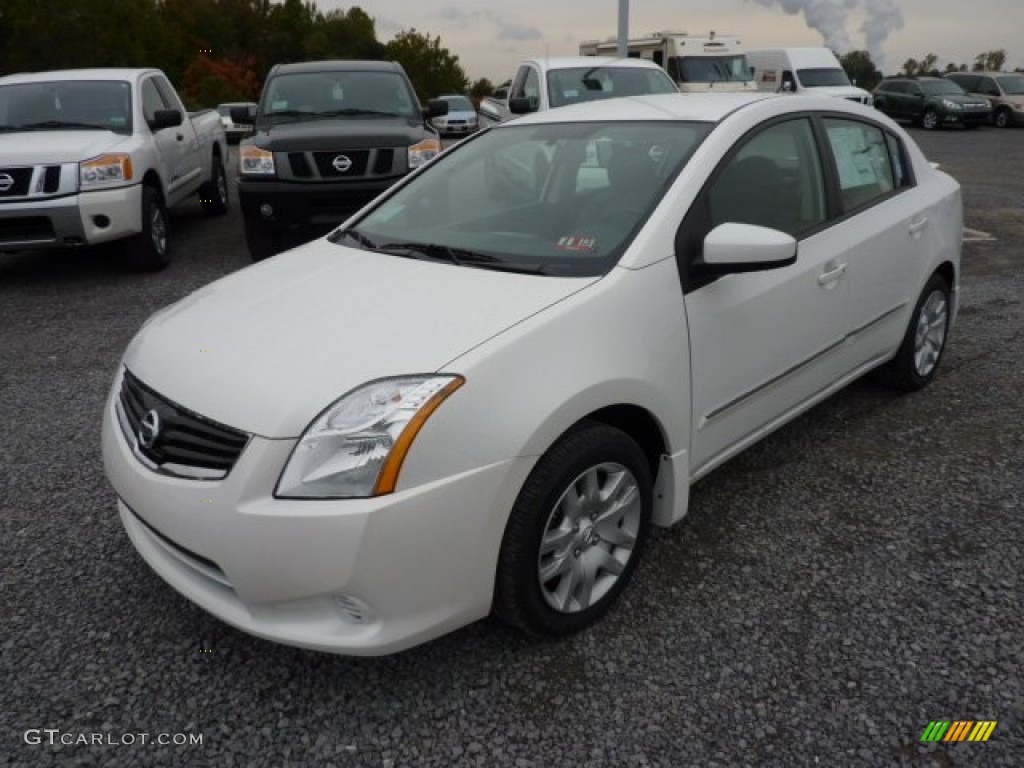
x=48, y=124
x=359, y=237
x=460, y=257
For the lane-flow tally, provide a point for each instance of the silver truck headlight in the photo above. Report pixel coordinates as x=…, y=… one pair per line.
x=356, y=447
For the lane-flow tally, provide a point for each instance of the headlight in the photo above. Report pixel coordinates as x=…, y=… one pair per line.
x=253, y=161
x=950, y=104
x=424, y=152
x=356, y=447
x=105, y=169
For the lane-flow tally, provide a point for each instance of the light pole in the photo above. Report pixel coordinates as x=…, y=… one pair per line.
x=623, y=28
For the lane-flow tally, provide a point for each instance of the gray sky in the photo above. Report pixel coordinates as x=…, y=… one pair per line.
x=490, y=36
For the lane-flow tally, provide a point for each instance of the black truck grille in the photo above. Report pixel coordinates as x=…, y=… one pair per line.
x=14, y=181
x=173, y=439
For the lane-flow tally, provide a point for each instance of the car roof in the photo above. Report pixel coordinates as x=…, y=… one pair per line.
x=65, y=75
x=575, y=62
x=696, y=107
x=336, y=65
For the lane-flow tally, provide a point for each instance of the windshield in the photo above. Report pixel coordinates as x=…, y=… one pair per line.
x=941, y=88
x=1012, y=85
x=562, y=199
x=712, y=69
x=332, y=94
x=459, y=104
x=819, y=78
x=104, y=105
x=570, y=86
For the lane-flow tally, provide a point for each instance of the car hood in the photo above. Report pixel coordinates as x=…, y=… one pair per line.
x=840, y=91
x=342, y=133
x=55, y=147
x=266, y=349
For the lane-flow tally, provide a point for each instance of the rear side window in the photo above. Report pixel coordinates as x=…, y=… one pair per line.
x=864, y=161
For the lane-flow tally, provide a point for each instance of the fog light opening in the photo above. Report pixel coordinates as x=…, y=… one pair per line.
x=101, y=221
x=353, y=609
x=266, y=210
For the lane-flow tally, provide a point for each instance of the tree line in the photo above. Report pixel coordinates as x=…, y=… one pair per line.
x=862, y=71
x=213, y=50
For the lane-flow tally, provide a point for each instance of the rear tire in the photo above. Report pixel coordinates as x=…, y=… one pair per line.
x=576, y=532
x=148, y=251
x=919, y=354
x=214, y=195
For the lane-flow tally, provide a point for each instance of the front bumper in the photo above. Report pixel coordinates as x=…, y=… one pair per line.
x=86, y=218
x=415, y=564
x=967, y=118
x=297, y=206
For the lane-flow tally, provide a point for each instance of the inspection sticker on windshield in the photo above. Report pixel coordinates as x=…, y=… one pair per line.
x=577, y=243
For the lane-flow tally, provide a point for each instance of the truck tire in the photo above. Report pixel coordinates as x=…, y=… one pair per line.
x=148, y=251
x=213, y=195
x=262, y=241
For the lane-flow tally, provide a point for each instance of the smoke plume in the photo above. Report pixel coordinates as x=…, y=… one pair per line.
x=829, y=17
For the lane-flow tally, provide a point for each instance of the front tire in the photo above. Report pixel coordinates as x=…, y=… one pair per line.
x=930, y=120
x=214, y=195
x=917, y=360
x=1002, y=118
x=149, y=251
x=576, y=532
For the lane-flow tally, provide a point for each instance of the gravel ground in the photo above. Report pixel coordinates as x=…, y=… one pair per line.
x=833, y=589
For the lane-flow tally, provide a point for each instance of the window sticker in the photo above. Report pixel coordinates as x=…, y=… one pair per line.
x=577, y=243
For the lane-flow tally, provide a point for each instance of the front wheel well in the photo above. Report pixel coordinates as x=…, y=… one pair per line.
x=640, y=425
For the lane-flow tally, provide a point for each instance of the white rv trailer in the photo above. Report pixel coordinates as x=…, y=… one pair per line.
x=697, y=63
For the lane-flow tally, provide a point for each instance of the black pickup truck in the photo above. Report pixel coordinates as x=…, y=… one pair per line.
x=329, y=136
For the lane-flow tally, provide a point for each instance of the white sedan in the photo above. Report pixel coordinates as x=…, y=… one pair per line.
x=482, y=390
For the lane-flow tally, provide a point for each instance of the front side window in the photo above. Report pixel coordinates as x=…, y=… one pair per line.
x=774, y=180
x=152, y=101
x=863, y=160
x=559, y=199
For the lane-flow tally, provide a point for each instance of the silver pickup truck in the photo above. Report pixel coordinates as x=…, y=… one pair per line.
x=91, y=156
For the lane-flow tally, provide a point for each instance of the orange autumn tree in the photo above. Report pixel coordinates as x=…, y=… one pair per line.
x=208, y=82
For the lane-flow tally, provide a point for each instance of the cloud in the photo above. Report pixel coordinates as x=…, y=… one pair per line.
x=513, y=31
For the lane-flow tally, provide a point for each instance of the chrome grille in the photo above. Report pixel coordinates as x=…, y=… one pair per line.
x=177, y=441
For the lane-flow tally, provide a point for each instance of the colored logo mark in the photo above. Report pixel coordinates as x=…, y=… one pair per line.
x=959, y=730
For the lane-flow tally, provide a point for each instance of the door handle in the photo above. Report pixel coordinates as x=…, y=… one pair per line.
x=826, y=278
x=916, y=227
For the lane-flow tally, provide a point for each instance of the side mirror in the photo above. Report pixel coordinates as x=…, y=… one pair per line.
x=243, y=115
x=733, y=247
x=436, y=108
x=522, y=105
x=166, y=118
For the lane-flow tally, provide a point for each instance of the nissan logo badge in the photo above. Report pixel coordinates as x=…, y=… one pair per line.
x=7, y=181
x=342, y=163
x=149, y=429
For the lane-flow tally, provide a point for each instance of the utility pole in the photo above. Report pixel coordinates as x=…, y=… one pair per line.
x=623, y=28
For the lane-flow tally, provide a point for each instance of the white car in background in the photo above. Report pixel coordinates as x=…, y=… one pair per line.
x=479, y=395
x=461, y=119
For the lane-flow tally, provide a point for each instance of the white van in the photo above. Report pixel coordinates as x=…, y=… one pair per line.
x=803, y=70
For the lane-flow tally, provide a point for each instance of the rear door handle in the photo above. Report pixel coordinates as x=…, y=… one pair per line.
x=827, y=278
x=917, y=227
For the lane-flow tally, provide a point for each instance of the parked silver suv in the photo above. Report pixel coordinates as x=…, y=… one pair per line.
x=1004, y=89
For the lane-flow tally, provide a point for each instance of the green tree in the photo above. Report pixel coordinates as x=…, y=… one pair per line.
x=434, y=70
x=910, y=67
x=990, y=61
x=860, y=69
